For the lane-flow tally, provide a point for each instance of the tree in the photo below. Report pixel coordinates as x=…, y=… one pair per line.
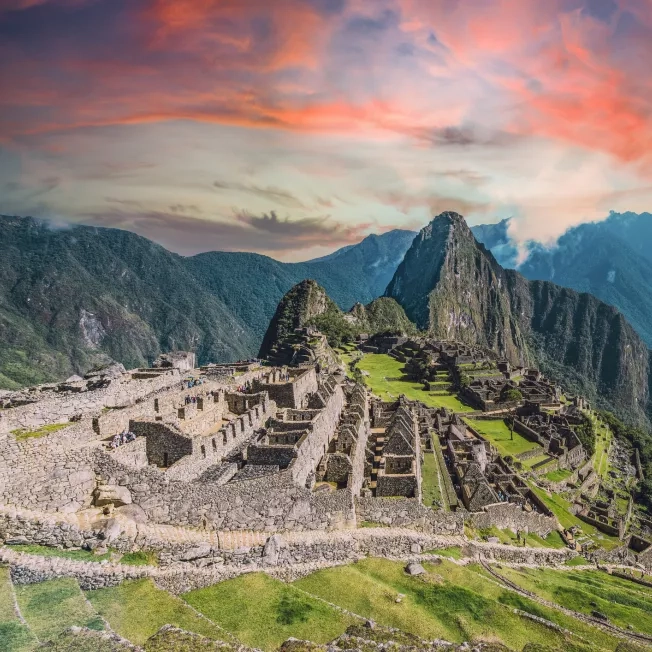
x=511, y=395
x=465, y=380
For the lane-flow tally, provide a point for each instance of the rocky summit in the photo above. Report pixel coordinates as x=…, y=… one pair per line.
x=452, y=286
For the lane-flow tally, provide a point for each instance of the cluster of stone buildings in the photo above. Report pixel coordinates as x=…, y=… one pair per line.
x=555, y=433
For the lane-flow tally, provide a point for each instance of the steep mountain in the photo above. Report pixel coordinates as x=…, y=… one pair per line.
x=252, y=285
x=72, y=298
x=452, y=286
x=308, y=304
x=597, y=258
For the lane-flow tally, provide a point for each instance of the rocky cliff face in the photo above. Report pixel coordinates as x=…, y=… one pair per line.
x=452, y=286
x=307, y=304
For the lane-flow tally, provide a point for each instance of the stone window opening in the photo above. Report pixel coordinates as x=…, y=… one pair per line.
x=214, y=444
x=225, y=439
x=242, y=425
x=165, y=459
x=203, y=452
x=156, y=409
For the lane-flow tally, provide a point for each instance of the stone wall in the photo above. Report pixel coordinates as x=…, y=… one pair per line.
x=314, y=446
x=509, y=515
x=407, y=512
x=56, y=407
x=291, y=393
x=272, y=502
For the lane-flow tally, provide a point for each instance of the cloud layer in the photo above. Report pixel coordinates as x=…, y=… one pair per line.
x=296, y=126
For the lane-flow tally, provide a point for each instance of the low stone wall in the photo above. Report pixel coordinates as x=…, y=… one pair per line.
x=408, y=513
x=509, y=515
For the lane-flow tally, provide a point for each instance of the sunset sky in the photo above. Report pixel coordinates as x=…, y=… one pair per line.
x=294, y=127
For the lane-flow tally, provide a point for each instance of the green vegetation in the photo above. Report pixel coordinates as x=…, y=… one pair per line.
x=21, y=434
x=498, y=433
x=14, y=635
x=452, y=602
x=454, y=552
x=560, y=507
x=430, y=480
x=264, y=612
x=137, y=610
x=577, y=561
x=47, y=551
x=622, y=602
x=52, y=606
x=140, y=558
x=384, y=376
x=558, y=475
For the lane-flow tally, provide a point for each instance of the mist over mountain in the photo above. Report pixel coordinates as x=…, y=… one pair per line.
x=611, y=260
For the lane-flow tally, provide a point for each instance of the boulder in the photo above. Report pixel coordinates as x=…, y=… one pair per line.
x=111, y=494
x=133, y=512
x=272, y=549
x=196, y=552
x=108, y=529
x=414, y=569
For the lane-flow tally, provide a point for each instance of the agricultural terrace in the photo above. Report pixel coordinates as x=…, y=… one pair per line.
x=384, y=376
x=497, y=432
x=625, y=604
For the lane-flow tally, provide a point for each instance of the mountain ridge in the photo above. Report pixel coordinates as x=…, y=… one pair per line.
x=452, y=286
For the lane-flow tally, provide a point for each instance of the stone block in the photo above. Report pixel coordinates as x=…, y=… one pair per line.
x=111, y=494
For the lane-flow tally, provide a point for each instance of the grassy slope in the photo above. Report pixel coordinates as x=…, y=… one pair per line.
x=624, y=603
x=264, y=612
x=430, y=479
x=137, y=610
x=451, y=602
x=387, y=381
x=52, y=606
x=14, y=636
x=497, y=432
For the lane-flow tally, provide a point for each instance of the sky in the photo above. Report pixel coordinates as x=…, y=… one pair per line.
x=295, y=127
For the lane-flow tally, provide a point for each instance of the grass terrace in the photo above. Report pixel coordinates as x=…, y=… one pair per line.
x=559, y=475
x=430, y=480
x=137, y=609
x=15, y=636
x=52, y=606
x=497, y=433
x=264, y=612
x=625, y=604
x=451, y=602
x=385, y=378
x=21, y=434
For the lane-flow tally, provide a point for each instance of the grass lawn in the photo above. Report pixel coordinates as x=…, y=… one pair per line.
x=46, y=551
x=52, y=606
x=454, y=552
x=558, y=475
x=430, y=480
x=21, y=434
x=560, y=507
x=140, y=558
x=533, y=461
x=387, y=381
x=264, y=612
x=14, y=636
x=137, y=610
x=497, y=432
x=622, y=602
x=452, y=602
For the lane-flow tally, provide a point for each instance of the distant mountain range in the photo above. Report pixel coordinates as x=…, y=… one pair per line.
x=611, y=260
x=72, y=298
